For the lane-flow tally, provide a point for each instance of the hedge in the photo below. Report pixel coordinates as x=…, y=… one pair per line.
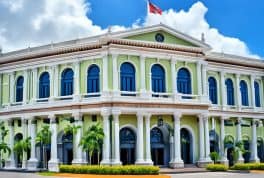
x=110, y=170
x=216, y=167
x=248, y=166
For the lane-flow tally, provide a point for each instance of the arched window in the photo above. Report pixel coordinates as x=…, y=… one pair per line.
x=257, y=94
x=67, y=82
x=44, y=85
x=158, y=78
x=19, y=89
x=230, y=92
x=212, y=90
x=244, y=93
x=93, y=85
x=156, y=136
x=184, y=81
x=127, y=77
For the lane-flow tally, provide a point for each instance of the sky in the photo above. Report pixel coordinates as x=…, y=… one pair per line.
x=230, y=26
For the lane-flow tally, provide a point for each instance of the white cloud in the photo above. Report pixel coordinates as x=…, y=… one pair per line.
x=30, y=23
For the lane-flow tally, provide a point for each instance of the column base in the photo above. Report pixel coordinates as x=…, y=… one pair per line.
x=256, y=160
x=203, y=163
x=32, y=164
x=224, y=161
x=116, y=163
x=105, y=162
x=176, y=164
x=140, y=162
x=53, y=165
x=24, y=164
x=76, y=98
x=149, y=162
x=9, y=164
x=79, y=162
x=240, y=160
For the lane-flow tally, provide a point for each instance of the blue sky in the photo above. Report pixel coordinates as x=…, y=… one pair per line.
x=236, y=18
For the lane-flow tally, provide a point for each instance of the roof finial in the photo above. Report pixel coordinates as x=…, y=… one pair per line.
x=202, y=37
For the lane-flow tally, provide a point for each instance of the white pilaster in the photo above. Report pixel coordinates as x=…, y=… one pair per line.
x=105, y=74
x=173, y=76
x=238, y=91
x=32, y=162
x=115, y=75
x=222, y=141
x=239, y=139
x=252, y=80
x=207, y=141
x=140, y=142
x=116, y=114
x=1, y=86
x=25, y=87
x=35, y=86
x=56, y=81
x=177, y=161
x=25, y=135
x=106, y=146
x=10, y=163
x=201, y=138
x=143, y=91
x=223, y=90
x=254, y=148
x=11, y=87
x=77, y=81
x=204, y=80
x=148, y=148
x=53, y=163
x=51, y=73
x=199, y=83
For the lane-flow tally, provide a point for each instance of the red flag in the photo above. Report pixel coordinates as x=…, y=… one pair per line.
x=154, y=9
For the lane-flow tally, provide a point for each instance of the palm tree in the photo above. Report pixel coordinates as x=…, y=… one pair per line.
x=92, y=141
x=43, y=138
x=22, y=146
x=4, y=148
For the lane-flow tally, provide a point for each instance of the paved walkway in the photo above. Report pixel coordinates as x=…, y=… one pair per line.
x=218, y=175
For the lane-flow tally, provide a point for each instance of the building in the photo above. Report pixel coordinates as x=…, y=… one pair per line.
x=162, y=97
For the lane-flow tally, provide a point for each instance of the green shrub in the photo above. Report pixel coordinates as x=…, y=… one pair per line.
x=248, y=166
x=114, y=170
x=216, y=167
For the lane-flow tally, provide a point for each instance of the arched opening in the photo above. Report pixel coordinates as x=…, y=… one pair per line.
x=93, y=79
x=244, y=93
x=212, y=90
x=184, y=81
x=186, y=146
x=19, y=89
x=229, y=146
x=127, y=78
x=246, y=154
x=67, y=82
x=127, y=146
x=158, y=79
x=65, y=148
x=44, y=85
x=257, y=94
x=261, y=149
x=214, y=141
x=18, y=156
x=230, y=92
x=43, y=155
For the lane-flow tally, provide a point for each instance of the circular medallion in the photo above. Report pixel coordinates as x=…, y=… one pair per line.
x=159, y=37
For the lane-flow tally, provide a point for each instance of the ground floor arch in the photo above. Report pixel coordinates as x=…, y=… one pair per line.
x=18, y=156
x=186, y=146
x=229, y=147
x=260, y=144
x=65, y=147
x=127, y=146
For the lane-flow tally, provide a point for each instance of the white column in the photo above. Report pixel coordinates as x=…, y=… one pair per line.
x=51, y=73
x=11, y=87
x=116, y=160
x=199, y=83
x=140, y=142
x=25, y=87
x=223, y=90
x=11, y=160
x=238, y=91
x=148, y=148
x=204, y=80
x=32, y=162
x=77, y=81
x=115, y=75
x=222, y=140
x=105, y=74
x=207, y=141
x=35, y=86
x=56, y=81
x=201, y=139
x=1, y=86
x=106, y=146
x=77, y=150
x=177, y=161
x=254, y=148
x=252, y=80
x=53, y=163
x=25, y=135
x=150, y=83
x=143, y=76
x=213, y=123
x=239, y=139
x=173, y=76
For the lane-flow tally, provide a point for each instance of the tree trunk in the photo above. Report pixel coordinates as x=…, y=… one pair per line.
x=98, y=157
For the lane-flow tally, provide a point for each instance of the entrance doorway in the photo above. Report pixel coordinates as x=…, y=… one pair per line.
x=67, y=148
x=127, y=146
x=261, y=149
x=246, y=155
x=186, y=146
x=18, y=156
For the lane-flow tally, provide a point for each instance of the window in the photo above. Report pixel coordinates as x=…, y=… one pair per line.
x=158, y=79
x=19, y=89
x=244, y=93
x=67, y=82
x=184, y=81
x=127, y=77
x=93, y=80
x=44, y=85
x=230, y=92
x=212, y=90
x=257, y=94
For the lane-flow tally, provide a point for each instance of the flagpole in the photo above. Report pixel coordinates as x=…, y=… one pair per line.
x=147, y=1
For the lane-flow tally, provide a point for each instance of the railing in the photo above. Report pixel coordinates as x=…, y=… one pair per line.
x=39, y=100
x=90, y=95
x=68, y=97
x=188, y=96
x=161, y=95
x=16, y=103
x=129, y=93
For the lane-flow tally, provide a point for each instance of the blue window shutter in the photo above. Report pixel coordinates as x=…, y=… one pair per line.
x=158, y=79
x=93, y=79
x=67, y=82
x=19, y=89
x=44, y=85
x=244, y=93
x=184, y=81
x=257, y=94
x=127, y=77
x=212, y=90
x=230, y=92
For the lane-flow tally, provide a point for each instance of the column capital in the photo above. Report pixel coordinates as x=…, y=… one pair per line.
x=237, y=75
x=222, y=73
x=255, y=121
x=224, y=117
x=203, y=116
x=147, y=115
x=105, y=112
x=77, y=115
x=142, y=57
x=177, y=115
x=52, y=118
x=114, y=55
x=239, y=120
x=140, y=114
x=116, y=112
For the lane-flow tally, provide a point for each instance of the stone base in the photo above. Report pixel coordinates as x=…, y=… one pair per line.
x=53, y=165
x=116, y=163
x=32, y=164
x=79, y=162
x=203, y=163
x=149, y=162
x=105, y=162
x=10, y=164
x=224, y=161
x=24, y=164
x=176, y=164
x=241, y=160
x=255, y=161
x=140, y=162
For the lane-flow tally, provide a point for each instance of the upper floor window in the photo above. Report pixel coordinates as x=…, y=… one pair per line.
x=158, y=79
x=19, y=89
x=127, y=77
x=44, y=85
x=184, y=81
x=212, y=90
x=230, y=92
x=244, y=93
x=93, y=79
x=257, y=94
x=67, y=82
